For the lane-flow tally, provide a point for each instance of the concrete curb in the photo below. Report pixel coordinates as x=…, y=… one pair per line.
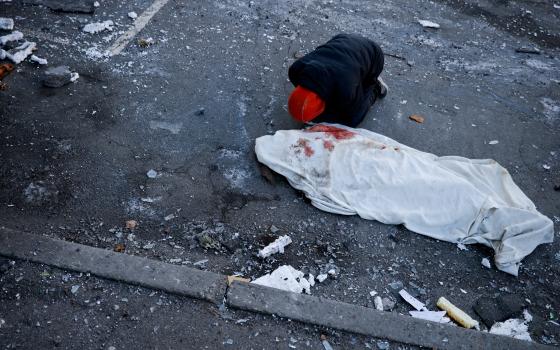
x=116, y=266
x=362, y=320
x=213, y=287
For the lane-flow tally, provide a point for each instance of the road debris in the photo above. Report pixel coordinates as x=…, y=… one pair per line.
x=132, y=15
x=434, y=316
x=378, y=302
x=285, y=278
x=6, y=23
x=119, y=248
x=97, y=27
x=275, y=247
x=144, y=43
x=72, y=6
x=74, y=289
x=232, y=278
x=388, y=304
x=5, y=69
x=322, y=277
x=57, y=77
x=516, y=328
x=486, y=263
x=131, y=224
x=493, y=142
x=417, y=118
x=169, y=217
x=498, y=309
x=428, y=24
x=415, y=303
x=21, y=52
x=152, y=174
x=546, y=167
x=14, y=36
x=325, y=342
x=38, y=60
x=531, y=50
x=457, y=314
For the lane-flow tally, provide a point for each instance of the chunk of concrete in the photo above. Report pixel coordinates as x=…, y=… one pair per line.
x=57, y=77
x=498, y=309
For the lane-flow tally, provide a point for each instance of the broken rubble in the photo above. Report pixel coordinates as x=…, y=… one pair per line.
x=285, y=278
x=21, y=52
x=415, y=303
x=428, y=24
x=6, y=23
x=132, y=15
x=57, y=76
x=516, y=328
x=77, y=6
x=38, y=60
x=97, y=27
x=275, y=247
x=486, y=263
x=434, y=316
x=498, y=309
x=14, y=36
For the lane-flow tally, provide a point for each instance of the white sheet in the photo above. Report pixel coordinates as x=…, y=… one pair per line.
x=455, y=199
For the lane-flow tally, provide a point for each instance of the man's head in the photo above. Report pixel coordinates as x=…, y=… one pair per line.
x=305, y=105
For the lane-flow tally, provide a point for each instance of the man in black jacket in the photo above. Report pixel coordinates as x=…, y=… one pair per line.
x=338, y=81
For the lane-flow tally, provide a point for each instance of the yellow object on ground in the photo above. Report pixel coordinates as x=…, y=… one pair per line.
x=456, y=314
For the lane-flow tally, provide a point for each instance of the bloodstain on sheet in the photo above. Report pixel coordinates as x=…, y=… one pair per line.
x=337, y=133
x=328, y=145
x=307, y=150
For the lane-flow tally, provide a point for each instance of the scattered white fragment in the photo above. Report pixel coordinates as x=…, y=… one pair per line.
x=38, y=60
x=326, y=345
x=378, y=303
x=169, y=217
x=493, y=142
x=463, y=291
x=515, y=328
x=96, y=4
x=311, y=280
x=14, y=36
x=148, y=246
x=275, y=247
x=3, y=54
x=428, y=24
x=175, y=260
x=372, y=293
x=74, y=76
x=98, y=27
x=461, y=246
x=556, y=6
x=25, y=50
x=6, y=23
x=332, y=272
x=486, y=263
x=546, y=166
x=434, y=316
x=94, y=53
x=200, y=262
x=527, y=316
x=322, y=277
x=2, y=322
x=151, y=174
x=285, y=278
x=75, y=288
x=132, y=15
x=415, y=303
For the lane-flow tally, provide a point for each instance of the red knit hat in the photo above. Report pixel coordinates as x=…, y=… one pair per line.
x=305, y=105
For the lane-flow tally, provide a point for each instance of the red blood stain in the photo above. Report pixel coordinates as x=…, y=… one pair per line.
x=329, y=145
x=337, y=133
x=307, y=150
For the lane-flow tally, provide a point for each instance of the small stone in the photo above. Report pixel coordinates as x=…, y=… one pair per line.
x=322, y=277
x=74, y=289
x=132, y=15
x=148, y=246
x=94, y=28
x=398, y=285
x=152, y=174
x=492, y=310
x=57, y=77
x=428, y=24
x=388, y=304
x=228, y=342
x=382, y=345
x=199, y=112
x=274, y=229
x=546, y=166
x=493, y=142
x=486, y=263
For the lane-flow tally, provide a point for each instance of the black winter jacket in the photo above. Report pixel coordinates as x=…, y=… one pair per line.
x=342, y=72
